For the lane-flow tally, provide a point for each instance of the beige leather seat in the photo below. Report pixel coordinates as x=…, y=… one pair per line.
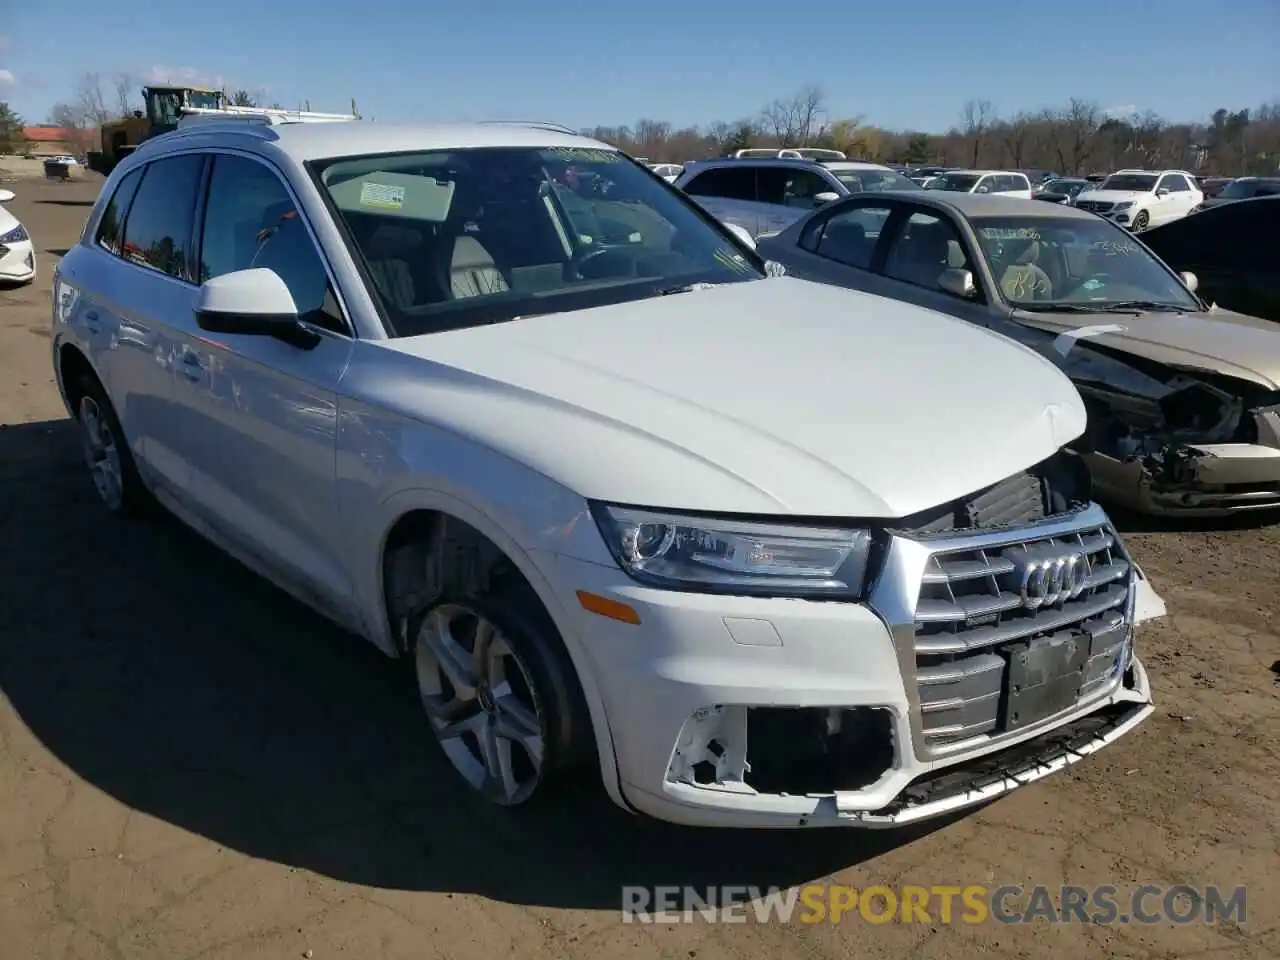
x=1023, y=279
x=472, y=271
x=392, y=275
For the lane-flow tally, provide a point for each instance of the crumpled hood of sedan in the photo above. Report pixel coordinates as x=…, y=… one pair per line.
x=1218, y=341
x=775, y=396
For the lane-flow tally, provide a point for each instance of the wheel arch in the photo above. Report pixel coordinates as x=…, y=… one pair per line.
x=415, y=521
x=72, y=365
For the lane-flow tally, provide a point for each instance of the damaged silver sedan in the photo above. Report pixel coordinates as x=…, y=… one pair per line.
x=1183, y=398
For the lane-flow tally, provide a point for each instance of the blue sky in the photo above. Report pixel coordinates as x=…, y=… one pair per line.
x=901, y=65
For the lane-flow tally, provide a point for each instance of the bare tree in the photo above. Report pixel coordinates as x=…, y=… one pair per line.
x=71, y=119
x=90, y=99
x=1074, y=134
x=125, y=85
x=797, y=119
x=1016, y=133
x=975, y=123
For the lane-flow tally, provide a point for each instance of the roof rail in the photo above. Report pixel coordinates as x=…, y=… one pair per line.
x=535, y=124
x=260, y=115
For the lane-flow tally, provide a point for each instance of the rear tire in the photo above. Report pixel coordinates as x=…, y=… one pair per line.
x=106, y=452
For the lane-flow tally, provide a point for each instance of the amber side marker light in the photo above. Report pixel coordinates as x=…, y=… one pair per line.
x=603, y=606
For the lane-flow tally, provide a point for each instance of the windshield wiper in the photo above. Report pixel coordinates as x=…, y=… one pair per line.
x=1114, y=306
x=1150, y=305
x=685, y=288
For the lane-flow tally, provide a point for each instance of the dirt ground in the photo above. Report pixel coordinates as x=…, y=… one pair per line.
x=193, y=765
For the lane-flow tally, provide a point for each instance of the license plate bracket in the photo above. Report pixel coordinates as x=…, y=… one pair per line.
x=1045, y=677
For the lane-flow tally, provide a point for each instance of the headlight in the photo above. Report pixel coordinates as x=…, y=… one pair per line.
x=16, y=235
x=734, y=556
x=1123, y=205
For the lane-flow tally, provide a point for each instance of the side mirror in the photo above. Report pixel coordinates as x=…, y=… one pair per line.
x=958, y=283
x=826, y=196
x=1162, y=192
x=1189, y=280
x=743, y=235
x=254, y=303
x=6, y=196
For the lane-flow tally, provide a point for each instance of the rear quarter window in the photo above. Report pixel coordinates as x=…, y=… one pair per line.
x=111, y=226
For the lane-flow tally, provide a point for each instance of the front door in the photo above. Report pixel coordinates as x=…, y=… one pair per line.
x=262, y=461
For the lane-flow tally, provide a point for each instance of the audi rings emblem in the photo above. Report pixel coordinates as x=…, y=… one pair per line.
x=1050, y=578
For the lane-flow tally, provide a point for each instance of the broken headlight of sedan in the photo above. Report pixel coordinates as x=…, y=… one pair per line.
x=710, y=554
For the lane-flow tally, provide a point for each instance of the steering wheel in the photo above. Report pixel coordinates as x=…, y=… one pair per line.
x=582, y=258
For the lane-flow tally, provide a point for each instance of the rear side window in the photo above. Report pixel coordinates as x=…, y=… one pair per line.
x=732, y=183
x=158, y=232
x=111, y=227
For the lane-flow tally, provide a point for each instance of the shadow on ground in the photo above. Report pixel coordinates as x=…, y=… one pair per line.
x=168, y=676
x=58, y=252
x=69, y=203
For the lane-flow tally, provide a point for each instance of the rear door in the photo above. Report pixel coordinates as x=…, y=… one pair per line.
x=149, y=286
x=787, y=193
x=728, y=193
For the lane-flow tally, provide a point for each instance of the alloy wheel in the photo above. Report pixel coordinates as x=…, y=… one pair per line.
x=481, y=703
x=101, y=453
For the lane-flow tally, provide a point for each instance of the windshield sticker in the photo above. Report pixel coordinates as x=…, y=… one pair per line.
x=1009, y=233
x=582, y=155
x=381, y=195
x=1066, y=341
x=1093, y=284
x=1116, y=248
x=734, y=261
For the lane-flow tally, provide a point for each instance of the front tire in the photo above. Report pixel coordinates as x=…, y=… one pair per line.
x=106, y=452
x=500, y=696
x=1142, y=220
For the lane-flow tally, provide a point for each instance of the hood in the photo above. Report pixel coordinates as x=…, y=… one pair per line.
x=777, y=396
x=1113, y=196
x=1217, y=341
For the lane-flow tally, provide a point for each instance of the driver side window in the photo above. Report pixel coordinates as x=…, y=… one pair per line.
x=251, y=221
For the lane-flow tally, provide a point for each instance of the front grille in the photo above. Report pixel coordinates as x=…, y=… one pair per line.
x=980, y=663
x=972, y=622
x=1095, y=206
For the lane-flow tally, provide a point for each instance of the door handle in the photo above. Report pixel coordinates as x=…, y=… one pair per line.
x=191, y=367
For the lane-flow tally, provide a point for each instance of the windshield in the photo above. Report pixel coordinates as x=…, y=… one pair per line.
x=961, y=182
x=1069, y=187
x=204, y=99
x=1140, y=182
x=454, y=239
x=873, y=181
x=1040, y=262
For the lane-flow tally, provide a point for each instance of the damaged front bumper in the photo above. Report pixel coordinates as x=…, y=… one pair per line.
x=1207, y=480
x=779, y=713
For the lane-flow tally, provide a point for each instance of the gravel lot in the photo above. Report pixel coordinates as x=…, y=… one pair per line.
x=192, y=764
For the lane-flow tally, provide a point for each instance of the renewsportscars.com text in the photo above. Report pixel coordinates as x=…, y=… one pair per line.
x=972, y=904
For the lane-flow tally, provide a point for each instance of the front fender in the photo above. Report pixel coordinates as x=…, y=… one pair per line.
x=486, y=520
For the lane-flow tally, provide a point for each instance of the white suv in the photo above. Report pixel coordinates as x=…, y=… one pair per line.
x=503, y=403
x=1138, y=199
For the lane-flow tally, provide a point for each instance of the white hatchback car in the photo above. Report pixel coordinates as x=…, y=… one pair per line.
x=498, y=400
x=17, y=252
